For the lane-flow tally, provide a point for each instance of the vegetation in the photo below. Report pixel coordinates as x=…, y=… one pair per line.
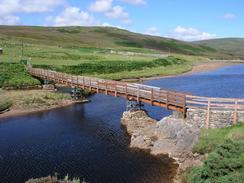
x=75, y=45
x=116, y=67
x=225, y=162
x=15, y=75
x=232, y=45
x=211, y=138
x=98, y=51
x=32, y=99
x=53, y=179
x=5, y=103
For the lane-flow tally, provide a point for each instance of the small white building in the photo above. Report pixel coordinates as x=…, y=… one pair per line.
x=1, y=51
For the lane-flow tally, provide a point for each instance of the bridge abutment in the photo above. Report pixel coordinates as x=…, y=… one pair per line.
x=201, y=118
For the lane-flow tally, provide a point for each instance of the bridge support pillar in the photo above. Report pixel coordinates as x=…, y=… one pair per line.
x=75, y=93
x=45, y=82
x=48, y=85
x=134, y=106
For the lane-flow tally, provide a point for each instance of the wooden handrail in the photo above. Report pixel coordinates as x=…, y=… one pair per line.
x=140, y=92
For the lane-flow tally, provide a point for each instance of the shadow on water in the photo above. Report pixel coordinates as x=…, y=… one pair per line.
x=80, y=140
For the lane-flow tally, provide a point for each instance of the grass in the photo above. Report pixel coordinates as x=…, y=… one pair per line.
x=5, y=103
x=210, y=139
x=15, y=75
x=29, y=99
x=93, y=51
x=53, y=179
x=124, y=69
x=225, y=160
x=74, y=45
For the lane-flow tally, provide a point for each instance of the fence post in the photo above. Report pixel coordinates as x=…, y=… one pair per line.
x=235, y=113
x=83, y=82
x=106, y=88
x=151, y=96
x=167, y=99
x=116, y=92
x=90, y=84
x=138, y=93
x=184, y=107
x=126, y=94
x=208, y=113
x=97, y=86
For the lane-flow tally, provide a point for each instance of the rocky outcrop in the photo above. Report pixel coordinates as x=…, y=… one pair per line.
x=172, y=136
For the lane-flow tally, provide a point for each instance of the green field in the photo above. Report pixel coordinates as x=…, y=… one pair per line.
x=225, y=156
x=103, y=52
x=75, y=45
x=15, y=75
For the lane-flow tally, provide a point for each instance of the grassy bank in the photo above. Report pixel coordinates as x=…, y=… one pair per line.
x=224, y=162
x=5, y=103
x=125, y=69
x=34, y=99
x=15, y=75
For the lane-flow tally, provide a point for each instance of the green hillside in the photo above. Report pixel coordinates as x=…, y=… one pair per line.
x=71, y=43
x=233, y=45
x=103, y=52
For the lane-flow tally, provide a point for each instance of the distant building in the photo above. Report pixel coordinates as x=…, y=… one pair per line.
x=1, y=51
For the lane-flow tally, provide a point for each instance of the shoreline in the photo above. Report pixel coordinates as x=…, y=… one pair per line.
x=196, y=68
x=21, y=112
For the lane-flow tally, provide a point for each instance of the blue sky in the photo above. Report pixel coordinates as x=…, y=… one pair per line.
x=181, y=19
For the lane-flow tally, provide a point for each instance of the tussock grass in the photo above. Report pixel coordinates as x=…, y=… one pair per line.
x=211, y=138
x=28, y=99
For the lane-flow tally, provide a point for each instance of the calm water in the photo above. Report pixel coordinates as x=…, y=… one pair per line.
x=88, y=141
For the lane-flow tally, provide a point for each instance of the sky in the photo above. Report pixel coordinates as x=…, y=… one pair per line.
x=187, y=20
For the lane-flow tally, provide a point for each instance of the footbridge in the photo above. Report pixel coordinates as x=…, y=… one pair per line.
x=155, y=96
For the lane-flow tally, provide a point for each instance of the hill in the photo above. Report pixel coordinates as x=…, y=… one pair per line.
x=233, y=45
x=101, y=37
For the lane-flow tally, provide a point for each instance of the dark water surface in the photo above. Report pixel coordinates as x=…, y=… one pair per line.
x=86, y=140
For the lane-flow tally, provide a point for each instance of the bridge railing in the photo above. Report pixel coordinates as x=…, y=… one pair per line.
x=234, y=105
x=143, y=91
x=134, y=91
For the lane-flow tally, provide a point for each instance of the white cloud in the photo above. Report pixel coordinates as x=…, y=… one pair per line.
x=9, y=8
x=190, y=34
x=118, y=12
x=73, y=16
x=106, y=24
x=229, y=16
x=135, y=2
x=153, y=31
x=28, y=6
x=9, y=20
x=101, y=5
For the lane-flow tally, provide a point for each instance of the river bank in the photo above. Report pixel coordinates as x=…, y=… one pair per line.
x=196, y=68
x=31, y=101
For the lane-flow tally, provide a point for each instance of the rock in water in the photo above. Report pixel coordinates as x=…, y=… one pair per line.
x=171, y=135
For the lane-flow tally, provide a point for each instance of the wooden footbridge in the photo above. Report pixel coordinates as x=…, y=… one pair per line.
x=173, y=100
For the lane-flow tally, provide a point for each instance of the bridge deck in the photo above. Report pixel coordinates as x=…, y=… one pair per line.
x=155, y=96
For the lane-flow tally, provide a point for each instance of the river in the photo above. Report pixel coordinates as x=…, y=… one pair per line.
x=87, y=140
